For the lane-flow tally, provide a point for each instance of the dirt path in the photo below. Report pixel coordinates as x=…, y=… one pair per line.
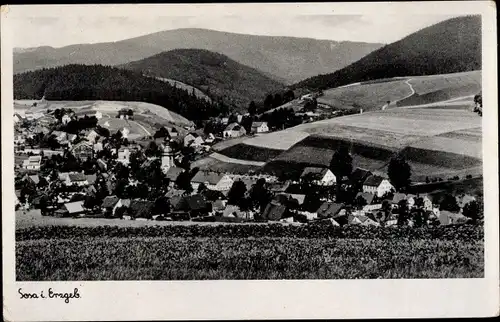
x=142, y=127
x=223, y=158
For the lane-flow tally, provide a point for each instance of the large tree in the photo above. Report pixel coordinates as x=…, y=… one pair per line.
x=449, y=203
x=341, y=165
x=237, y=193
x=473, y=211
x=399, y=172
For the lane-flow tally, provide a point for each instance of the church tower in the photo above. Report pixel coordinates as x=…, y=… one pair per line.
x=167, y=157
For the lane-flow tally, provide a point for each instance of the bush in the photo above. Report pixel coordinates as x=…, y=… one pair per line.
x=310, y=231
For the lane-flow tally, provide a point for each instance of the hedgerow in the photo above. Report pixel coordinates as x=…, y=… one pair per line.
x=464, y=233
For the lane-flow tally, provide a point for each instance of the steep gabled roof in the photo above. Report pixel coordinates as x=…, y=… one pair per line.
x=360, y=174
x=329, y=209
x=274, y=211
x=233, y=127
x=74, y=207
x=109, y=201
x=367, y=196
x=316, y=173
x=173, y=173
x=77, y=177
x=196, y=202
x=207, y=176
x=373, y=181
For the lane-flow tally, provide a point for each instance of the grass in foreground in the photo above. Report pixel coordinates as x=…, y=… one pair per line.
x=172, y=258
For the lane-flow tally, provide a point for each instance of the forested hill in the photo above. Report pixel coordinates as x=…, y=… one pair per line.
x=451, y=46
x=215, y=74
x=97, y=82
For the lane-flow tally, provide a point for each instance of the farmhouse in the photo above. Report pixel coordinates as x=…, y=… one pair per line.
x=212, y=180
x=319, y=176
x=330, y=209
x=92, y=136
x=259, y=127
x=111, y=203
x=193, y=139
x=377, y=185
x=274, y=211
x=73, y=208
x=83, y=150
x=367, y=196
x=78, y=179
x=66, y=119
x=32, y=163
x=234, y=130
x=359, y=175
x=173, y=173
x=124, y=155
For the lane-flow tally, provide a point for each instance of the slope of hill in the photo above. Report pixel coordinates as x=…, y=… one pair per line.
x=215, y=74
x=81, y=82
x=450, y=46
x=287, y=59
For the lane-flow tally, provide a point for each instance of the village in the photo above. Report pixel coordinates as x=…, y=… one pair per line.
x=71, y=165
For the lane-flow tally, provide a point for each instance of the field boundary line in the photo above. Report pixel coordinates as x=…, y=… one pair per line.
x=224, y=158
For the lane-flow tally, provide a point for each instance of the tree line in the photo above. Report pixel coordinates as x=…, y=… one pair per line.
x=97, y=82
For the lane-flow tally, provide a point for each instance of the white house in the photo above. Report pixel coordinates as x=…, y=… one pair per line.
x=319, y=176
x=234, y=130
x=212, y=180
x=125, y=131
x=92, y=136
x=66, y=119
x=32, y=163
x=193, y=139
x=259, y=127
x=78, y=179
x=124, y=155
x=210, y=138
x=377, y=185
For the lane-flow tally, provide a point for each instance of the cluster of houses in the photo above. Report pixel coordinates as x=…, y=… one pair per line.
x=376, y=202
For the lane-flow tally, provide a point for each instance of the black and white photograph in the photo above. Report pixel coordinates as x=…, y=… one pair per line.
x=240, y=146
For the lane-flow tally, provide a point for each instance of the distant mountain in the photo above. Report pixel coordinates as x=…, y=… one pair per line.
x=215, y=74
x=450, y=46
x=97, y=82
x=286, y=59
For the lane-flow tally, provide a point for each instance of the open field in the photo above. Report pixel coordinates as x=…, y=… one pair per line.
x=437, y=142
x=198, y=93
x=170, y=258
x=33, y=218
x=437, y=88
x=250, y=152
x=403, y=91
x=213, y=164
x=106, y=107
x=137, y=130
x=280, y=140
x=370, y=96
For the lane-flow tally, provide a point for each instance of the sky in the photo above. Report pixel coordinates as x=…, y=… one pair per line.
x=45, y=30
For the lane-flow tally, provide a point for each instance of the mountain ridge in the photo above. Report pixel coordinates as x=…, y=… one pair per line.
x=451, y=46
x=286, y=58
x=215, y=74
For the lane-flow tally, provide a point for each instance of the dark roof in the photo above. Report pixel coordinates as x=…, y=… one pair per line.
x=359, y=175
x=218, y=205
x=274, y=211
x=173, y=173
x=279, y=187
x=398, y=197
x=77, y=177
x=213, y=195
x=206, y=176
x=196, y=202
x=373, y=181
x=329, y=209
x=178, y=202
x=316, y=173
x=141, y=208
x=109, y=201
x=367, y=196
